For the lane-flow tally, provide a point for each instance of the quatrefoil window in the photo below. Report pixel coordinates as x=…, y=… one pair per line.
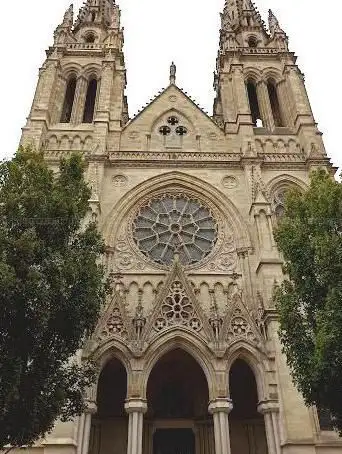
x=173, y=121
x=165, y=130
x=178, y=130
x=181, y=131
x=175, y=224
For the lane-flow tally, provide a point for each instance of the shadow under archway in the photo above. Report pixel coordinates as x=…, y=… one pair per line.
x=247, y=427
x=109, y=428
x=177, y=420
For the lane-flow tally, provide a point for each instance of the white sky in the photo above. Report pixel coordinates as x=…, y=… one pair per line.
x=159, y=31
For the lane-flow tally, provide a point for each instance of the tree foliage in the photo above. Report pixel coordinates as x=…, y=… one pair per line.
x=51, y=291
x=310, y=300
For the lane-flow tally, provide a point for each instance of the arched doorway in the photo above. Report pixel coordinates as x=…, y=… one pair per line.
x=109, y=424
x=177, y=421
x=247, y=427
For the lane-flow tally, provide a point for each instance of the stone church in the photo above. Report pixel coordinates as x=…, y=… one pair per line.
x=187, y=347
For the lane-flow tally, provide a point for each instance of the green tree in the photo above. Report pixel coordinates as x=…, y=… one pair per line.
x=51, y=291
x=310, y=299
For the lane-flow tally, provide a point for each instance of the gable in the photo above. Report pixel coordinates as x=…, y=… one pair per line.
x=172, y=122
x=177, y=307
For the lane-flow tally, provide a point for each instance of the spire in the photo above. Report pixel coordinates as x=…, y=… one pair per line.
x=103, y=13
x=173, y=70
x=65, y=27
x=277, y=33
x=241, y=13
x=273, y=23
x=68, y=19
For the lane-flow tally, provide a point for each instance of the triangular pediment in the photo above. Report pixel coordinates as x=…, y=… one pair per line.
x=114, y=321
x=238, y=324
x=172, y=122
x=177, y=307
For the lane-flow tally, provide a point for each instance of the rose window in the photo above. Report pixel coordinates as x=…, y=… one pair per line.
x=175, y=224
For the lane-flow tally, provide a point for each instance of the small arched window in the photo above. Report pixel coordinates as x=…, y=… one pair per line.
x=89, y=107
x=254, y=103
x=274, y=100
x=93, y=16
x=68, y=100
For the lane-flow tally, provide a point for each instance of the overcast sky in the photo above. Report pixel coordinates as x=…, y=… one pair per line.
x=159, y=31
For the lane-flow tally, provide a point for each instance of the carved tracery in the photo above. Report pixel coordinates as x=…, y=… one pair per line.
x=177, y=310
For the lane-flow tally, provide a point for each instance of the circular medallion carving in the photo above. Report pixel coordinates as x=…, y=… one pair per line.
x=229, y=182
x=173, y=98
x=172, y=224
x=120, y=180
x=133, y=135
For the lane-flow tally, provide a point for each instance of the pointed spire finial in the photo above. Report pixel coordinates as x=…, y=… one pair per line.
x=173, y=70
x=273, y=22
x=68, y=19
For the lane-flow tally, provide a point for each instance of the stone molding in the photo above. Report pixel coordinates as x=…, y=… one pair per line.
x=220, y=405
x=136, y=405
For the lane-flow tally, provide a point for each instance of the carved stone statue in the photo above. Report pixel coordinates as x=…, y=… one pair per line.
x=173, y=70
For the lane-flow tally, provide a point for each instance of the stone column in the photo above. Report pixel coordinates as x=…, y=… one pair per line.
x=135, y=408
x=83, y=436
x=220, y=409
x=105, y=91
x=265, y=105
x=79, y=100
x=270, y=410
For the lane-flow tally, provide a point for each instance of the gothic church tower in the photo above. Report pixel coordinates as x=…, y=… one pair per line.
x=188, y=353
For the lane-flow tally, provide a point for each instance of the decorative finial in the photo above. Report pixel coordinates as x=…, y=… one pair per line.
x=173, y=70
x=273, y=22
x=69, y=16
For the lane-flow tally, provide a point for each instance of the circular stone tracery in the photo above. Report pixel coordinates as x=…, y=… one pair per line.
x=175, y=224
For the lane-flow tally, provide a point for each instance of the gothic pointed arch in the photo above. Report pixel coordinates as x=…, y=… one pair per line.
x=256, y=360
x=69, y=99
x=110, y=405
x=187, y=342
x=279, y=186
x=177, y=388
x=185, y=182
x=245, y=413
x=173, y=118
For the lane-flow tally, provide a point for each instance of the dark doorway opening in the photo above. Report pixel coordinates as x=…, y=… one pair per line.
x=174, y=441
x=247, y=427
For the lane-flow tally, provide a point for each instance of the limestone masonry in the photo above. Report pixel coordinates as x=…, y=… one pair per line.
x=188, y=353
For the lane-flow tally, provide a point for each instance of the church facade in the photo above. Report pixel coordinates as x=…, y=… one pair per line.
x=187, y=347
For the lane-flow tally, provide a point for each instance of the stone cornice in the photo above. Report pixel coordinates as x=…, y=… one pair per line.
x=199, y=159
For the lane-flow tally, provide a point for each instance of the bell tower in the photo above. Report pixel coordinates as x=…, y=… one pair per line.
x=79, y=100
x=260, y=90
x=187, y=205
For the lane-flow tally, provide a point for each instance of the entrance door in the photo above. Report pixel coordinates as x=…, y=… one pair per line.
x=174, y=441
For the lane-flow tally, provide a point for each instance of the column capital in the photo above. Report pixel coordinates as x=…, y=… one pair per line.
x=91, y=407
x=136, y=406
x=268, y=406
x=220, y=405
